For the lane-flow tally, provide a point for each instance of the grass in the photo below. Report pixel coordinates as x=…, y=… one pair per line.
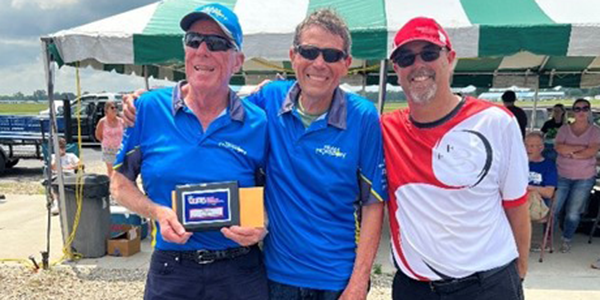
x=22, y=108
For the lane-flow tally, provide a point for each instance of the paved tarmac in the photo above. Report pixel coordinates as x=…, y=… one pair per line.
x=23, y=224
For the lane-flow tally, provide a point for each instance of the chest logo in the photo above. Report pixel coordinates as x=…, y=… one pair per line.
x=328, y=150
x=233, y=147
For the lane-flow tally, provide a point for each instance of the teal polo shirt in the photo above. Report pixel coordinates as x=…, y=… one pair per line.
x=317, y=179
x=168, y=147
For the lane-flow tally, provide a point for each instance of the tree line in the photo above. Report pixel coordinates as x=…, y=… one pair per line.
x=38, y=95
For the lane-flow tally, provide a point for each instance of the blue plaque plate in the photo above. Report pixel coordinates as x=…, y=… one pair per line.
x=207, y=206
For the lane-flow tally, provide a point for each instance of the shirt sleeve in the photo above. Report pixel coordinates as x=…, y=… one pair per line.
x=73, y=159
x=515, y=167
x=595, y=138
x=129, y=157
x=373, y=183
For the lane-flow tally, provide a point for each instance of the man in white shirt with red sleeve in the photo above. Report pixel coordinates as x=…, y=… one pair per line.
x=457, y=171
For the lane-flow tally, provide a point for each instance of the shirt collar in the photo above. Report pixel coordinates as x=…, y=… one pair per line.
x=336, y=116
x=235, y=107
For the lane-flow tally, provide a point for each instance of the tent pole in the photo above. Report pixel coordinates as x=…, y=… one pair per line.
x=533, y=113
x=382, y=85
x=49, y=66
x=146, y=80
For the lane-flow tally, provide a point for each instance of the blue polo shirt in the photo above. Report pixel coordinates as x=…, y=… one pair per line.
x=543, y=173
x=317, y=179
x=168, y=147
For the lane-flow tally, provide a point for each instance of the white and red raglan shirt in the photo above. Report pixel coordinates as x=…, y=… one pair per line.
x=449, y=182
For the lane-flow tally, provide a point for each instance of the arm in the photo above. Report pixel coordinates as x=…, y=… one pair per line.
x=545, y=191
x=370, y=234
x=518, y=217
x=567, y=149
x=129, y=195
x=587, y=152
x=99, y=130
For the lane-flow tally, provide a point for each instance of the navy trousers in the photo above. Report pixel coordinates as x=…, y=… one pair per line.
x=503, y=285
x=172, y=277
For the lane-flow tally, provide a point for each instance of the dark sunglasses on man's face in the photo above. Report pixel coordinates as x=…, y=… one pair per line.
x=406, y=58
x=213, y=42
x=330, y=55
x=581, y=108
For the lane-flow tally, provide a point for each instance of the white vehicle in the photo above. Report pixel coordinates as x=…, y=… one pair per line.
x=85, y=99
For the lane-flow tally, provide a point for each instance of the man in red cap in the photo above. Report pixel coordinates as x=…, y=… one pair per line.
x=457, y=173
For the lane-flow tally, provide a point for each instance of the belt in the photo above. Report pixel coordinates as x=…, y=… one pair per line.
x=450, y=285
x=208, y=256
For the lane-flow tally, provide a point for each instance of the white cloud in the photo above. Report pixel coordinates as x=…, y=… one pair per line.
x=43, y=4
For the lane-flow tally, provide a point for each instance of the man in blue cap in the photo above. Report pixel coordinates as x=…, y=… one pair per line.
x=197, y=132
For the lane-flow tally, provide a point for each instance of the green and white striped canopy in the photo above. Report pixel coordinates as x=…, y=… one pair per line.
x=499, y=42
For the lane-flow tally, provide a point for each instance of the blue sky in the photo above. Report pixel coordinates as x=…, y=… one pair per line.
x=22, y=22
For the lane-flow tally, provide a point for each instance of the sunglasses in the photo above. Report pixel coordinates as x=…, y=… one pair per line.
x=581, y=108
x=330, y=55
x=406, y=58
x=213, y=42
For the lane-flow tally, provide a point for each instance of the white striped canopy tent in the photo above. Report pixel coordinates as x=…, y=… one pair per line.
x=541, y=43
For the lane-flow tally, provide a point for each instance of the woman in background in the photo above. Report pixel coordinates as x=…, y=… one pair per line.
x=550, y=129
x=110, y=132
x=577, y=145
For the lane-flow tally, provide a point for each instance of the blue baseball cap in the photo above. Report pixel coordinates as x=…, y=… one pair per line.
x=225, y=17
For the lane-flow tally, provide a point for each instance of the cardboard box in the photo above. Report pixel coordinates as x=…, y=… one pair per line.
x=127, y=243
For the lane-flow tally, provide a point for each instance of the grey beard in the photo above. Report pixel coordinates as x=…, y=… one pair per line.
x=423, y=97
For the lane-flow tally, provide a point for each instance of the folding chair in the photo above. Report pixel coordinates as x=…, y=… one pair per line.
x=548, y=235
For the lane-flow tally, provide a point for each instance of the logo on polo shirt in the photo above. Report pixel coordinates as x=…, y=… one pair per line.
x=233, y=147
x=331, y=151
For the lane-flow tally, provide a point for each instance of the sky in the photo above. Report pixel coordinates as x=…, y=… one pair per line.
x=23, y=22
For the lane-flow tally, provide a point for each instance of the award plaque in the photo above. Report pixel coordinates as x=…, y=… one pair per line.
x=207, y=206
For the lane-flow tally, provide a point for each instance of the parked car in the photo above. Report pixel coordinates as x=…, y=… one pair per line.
x=90, y=111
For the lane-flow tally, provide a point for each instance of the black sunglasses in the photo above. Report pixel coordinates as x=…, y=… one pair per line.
x=213, y=42
x=581, y=108
x=406, y=58
x=330, y=55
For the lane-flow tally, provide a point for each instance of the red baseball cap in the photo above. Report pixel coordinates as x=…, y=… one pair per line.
x=421, y=29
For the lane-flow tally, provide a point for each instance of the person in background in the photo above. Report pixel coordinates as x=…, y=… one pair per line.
x=109, y=132
x=577, y=145
x=542, y=171
x=69, y=163
x=508, y=99
x=550, y=129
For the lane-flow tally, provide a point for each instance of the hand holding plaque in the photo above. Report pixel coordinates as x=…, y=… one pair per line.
x=211, y=206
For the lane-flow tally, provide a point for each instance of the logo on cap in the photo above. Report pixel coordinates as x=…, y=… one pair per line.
x=214, y=11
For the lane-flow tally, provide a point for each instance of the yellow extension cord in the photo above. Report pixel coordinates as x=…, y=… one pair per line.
x=67, y=253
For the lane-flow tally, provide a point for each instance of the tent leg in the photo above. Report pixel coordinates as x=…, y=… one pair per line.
x=533, y=113
x=382, y=85
x=49, y=66
x=146, y=80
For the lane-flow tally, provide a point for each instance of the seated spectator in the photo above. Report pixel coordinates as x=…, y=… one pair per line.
x=542, y=172
x=68, y=161
x=70, y=164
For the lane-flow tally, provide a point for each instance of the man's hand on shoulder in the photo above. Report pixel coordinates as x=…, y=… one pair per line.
x=129, y=110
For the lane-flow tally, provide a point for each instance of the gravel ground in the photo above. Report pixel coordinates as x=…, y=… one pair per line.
x=28, y=181
x=82, y=283
x=64, y=282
